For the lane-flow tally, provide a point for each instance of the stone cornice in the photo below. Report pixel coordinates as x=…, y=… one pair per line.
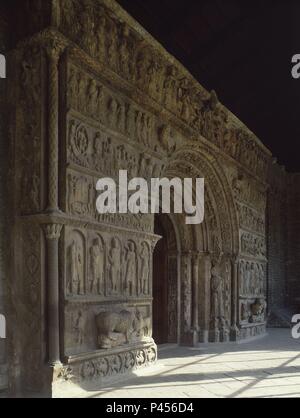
x=129, y=88
x=124, y=16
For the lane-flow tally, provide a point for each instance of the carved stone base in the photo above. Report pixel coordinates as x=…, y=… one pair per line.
x=214, y=336
x=234, y=334
x=224, y=336
x=204, y=336
x=252, y=331
x=100, y=368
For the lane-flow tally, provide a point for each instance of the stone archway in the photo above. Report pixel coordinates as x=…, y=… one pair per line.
x=208, y=253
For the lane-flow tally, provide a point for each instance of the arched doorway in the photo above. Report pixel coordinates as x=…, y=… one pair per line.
x=165, y=283
x=201, y=256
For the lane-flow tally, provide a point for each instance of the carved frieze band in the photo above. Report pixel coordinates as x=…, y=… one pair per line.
x=104, y=37
x=107, y=265
x=107, y=367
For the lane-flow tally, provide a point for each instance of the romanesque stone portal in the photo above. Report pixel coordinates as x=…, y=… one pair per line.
x=92, y=94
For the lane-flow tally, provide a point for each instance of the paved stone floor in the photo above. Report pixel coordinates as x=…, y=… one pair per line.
x=269, y=367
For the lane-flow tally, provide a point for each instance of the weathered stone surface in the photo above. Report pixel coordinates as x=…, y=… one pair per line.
x=104, y=96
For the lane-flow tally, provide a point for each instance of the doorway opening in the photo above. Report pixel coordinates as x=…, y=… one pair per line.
x=165, y=283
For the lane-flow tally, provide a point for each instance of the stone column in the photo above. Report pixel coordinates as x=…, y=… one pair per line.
x=53, y=50
x=186, y=299
x=195, y=299
x=204, y=294
x=52, y=232
x=234, y=331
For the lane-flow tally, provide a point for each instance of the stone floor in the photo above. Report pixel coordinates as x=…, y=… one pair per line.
x=269, y=367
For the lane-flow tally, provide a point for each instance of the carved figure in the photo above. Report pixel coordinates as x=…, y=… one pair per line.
x=217, y=299
x=145, y=270
x=114, y=258
x=114, y=329
x=97, y=267
x=131, y=269
x=78, y=327
x=76, y=284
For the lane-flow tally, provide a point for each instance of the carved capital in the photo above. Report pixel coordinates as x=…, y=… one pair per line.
x=234, y=258
x=52, y=231
x=196, y=256
x=154, y=242
x=54, y=50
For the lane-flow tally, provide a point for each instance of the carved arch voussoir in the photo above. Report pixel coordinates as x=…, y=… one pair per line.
x=194, y=162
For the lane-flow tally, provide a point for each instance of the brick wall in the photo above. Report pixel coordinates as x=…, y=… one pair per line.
x=283, y=235
x=293, y=248
x=276, y=240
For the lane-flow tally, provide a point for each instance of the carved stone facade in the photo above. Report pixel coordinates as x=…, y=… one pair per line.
x=104, y=96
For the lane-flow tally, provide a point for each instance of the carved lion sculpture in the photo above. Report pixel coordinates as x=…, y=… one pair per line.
x=114, y=329
x=258, y=310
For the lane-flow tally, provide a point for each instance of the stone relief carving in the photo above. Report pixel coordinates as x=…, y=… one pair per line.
x=115, y=265
x=105, y=266
x=145, y=260
x=29, y=153
x=258, y=311
x=131, y=269
x=139, y=222
x=186, y=167
x=99, y=151
x=220, y=298
x=253, y=245
x=109, y=366
x=246, y=191
x=97, y=267
x=78, y=325
x=28, y=305
x=91, y=98
x=76, y=265
x=115, y=43
x=251, y=220
x=252, y=278
x=117, y=329
x=80, y=194
x=173, y=299
x=253, y=311
x=94, y=143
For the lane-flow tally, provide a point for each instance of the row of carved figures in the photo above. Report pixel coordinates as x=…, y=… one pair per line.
x=251, y=220
x=97, y=150
x=252, y=278
x=113, y=42
x=108, y=268
x=93, y=99
x=253, y=245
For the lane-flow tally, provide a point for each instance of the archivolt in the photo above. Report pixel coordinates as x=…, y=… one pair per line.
x=219, y=233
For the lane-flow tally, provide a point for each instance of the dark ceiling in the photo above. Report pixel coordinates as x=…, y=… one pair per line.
x=241, y=49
